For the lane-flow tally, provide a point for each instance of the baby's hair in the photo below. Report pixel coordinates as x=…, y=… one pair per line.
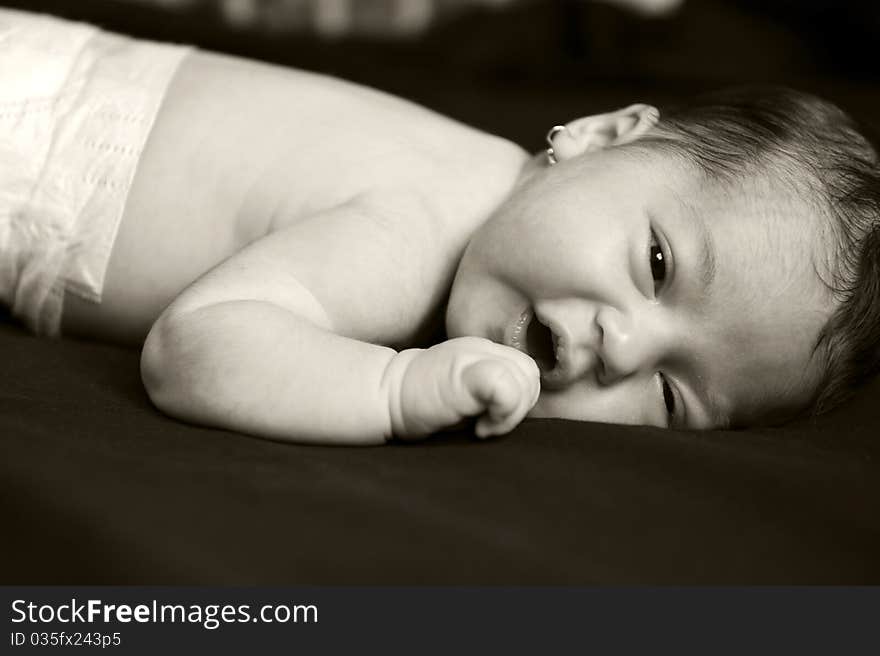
x=814, y=148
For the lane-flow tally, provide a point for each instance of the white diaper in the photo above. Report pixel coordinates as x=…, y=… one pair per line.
x=76, y=107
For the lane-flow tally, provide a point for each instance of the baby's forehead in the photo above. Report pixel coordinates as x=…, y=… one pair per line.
x=769, y=303
x=767, y=201
x=786, y=241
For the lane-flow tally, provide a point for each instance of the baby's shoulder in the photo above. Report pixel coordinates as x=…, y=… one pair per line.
x=451, y=186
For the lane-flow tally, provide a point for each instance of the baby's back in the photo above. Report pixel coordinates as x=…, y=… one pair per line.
x=241, y=149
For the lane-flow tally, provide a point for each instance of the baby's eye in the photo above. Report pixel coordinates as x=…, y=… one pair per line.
x=668, y=399
x=658, y=262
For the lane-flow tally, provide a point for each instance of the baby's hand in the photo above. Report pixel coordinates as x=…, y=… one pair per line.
x=461, y=378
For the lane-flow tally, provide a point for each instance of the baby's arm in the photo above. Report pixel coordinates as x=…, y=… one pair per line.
x=281, y=339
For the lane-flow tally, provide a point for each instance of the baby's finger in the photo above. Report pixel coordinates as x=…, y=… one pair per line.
x=499, y=420
x=494, y=385
x=528, y=375
x=527, y=367
x=525, y=362
x=531, y=381
x=492, y=382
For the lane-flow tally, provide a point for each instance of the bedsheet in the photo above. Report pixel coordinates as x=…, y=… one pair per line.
x=96, y=486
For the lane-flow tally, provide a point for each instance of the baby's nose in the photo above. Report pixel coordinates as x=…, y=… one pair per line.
x=628, y=343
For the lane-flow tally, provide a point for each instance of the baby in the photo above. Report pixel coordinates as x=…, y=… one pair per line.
x=290, y=248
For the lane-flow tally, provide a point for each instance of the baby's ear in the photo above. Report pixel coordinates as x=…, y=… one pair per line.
x=600, y=131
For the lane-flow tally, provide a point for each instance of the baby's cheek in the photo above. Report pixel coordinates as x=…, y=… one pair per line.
x=561, y=404
x=623, y=403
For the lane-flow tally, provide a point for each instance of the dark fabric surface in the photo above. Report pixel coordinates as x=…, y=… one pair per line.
x=98, y=487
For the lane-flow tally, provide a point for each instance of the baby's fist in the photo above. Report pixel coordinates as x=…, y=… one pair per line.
x=461, y=378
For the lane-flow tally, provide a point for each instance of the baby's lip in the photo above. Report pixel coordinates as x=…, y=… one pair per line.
x=572, y=360
x=560, y=375
x=515, y=335
x=557, y=375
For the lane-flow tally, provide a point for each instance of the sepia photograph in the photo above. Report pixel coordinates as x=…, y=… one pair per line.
x=439, y=293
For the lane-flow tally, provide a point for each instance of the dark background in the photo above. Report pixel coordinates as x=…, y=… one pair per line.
x=552, y=59
x=98, y=487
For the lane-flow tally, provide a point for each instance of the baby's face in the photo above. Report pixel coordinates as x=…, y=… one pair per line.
x=646, y=297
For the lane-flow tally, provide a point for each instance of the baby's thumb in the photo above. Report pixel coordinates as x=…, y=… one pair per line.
x=495, y=394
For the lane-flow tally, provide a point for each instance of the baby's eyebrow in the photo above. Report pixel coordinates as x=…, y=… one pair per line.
x=705, y=265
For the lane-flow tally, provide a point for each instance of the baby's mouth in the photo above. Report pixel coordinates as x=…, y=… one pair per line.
x=537, y=340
